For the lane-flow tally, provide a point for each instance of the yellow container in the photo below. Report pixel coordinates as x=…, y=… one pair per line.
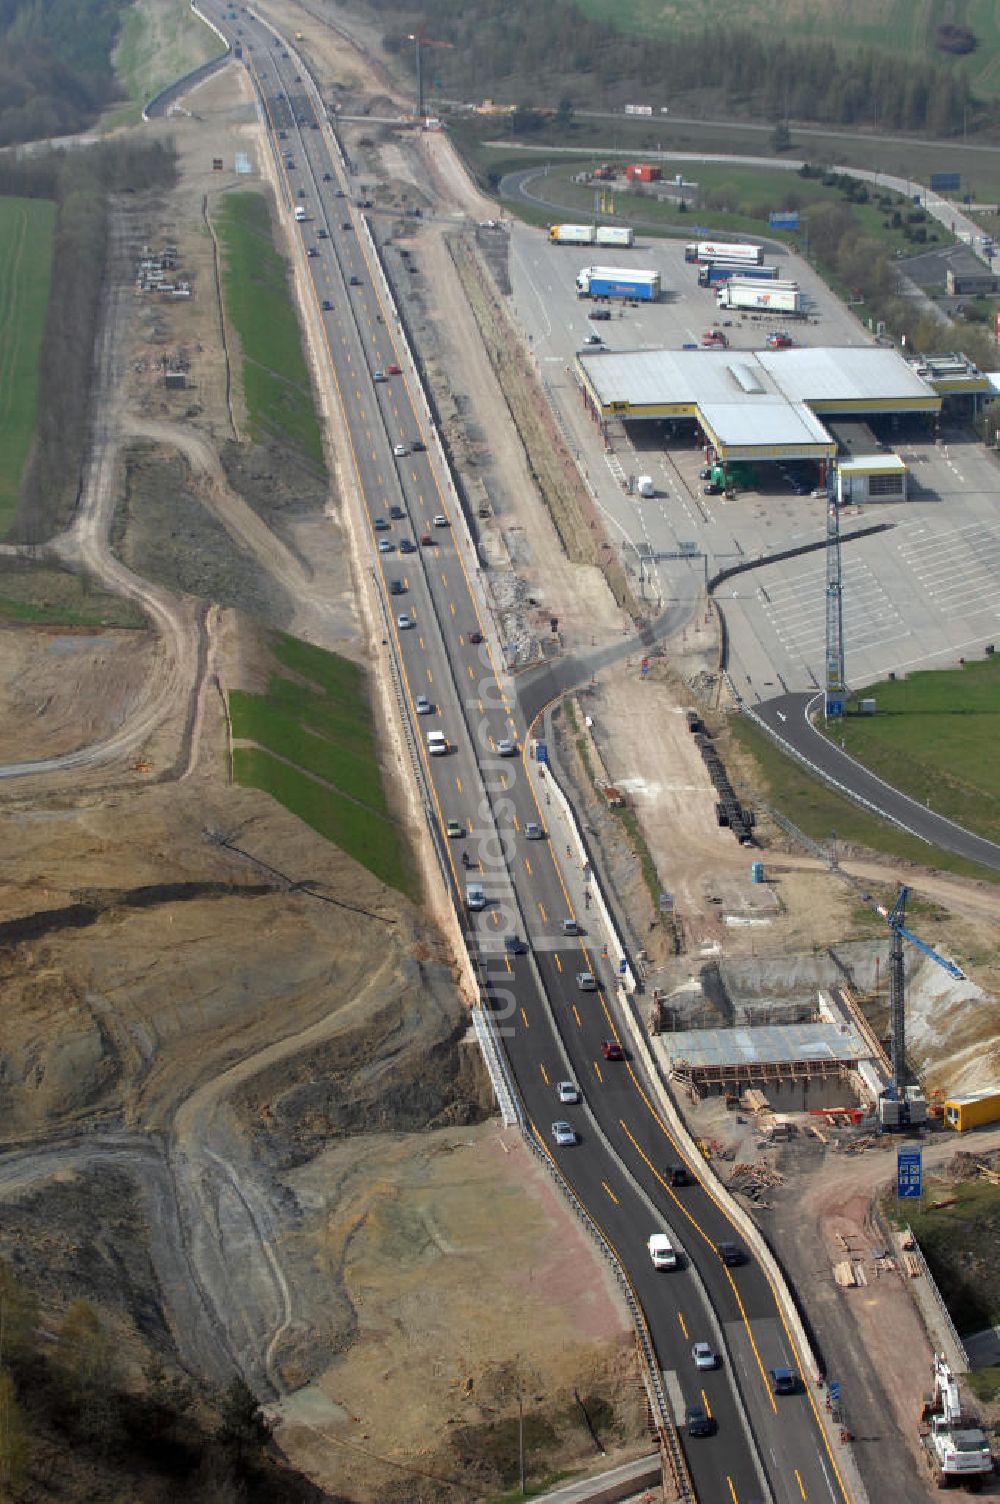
x=962, y=1113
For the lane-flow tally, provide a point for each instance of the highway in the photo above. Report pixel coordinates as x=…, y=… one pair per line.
x=552, y=1029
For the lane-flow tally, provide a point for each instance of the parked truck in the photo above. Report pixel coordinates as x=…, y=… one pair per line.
x=972, y=1111
x=707, y=251
x=955, y=1452
x=723, y=271
x=619, y=235
x=760, y=297
x=617, y=282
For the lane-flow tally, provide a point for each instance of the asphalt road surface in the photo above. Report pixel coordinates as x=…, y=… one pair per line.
x=552, y=1028
x=788, y=717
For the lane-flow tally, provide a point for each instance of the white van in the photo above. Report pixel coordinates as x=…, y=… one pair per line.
x=437, y=743
x=662, y=1251
x=475, y=896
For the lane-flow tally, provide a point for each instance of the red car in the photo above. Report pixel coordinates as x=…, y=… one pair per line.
x=427, y=540
x=612, y=1050
x=392, y=370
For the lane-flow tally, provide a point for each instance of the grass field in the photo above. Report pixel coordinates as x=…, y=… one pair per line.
x=935, y=735
x=159, y=41
x=314, y=751
x=26, y=233
x=36, y=593
x=757, y=189
x=638, y=138
x=818, y=810
x=259, y=305
x=903, y=27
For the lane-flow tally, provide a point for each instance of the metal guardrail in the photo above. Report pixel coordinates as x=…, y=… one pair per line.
x=942, y=1310
x=669, y=1440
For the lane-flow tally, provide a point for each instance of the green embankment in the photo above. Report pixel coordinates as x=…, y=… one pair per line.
x=158, y=42
x=959, y=1239
x=26, y=239
x=935, y=736
x=313, y=748
x=275, y=377
x=818, y=811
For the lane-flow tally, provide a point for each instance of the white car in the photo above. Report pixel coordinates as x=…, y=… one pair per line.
x=586, y=981
x=661, y=1251
x=703, y=1356
x=564, y=1134
x=440, y=520
x=385, y=545
x=424, y=706
x=403, y=621
x=533, y=831
x=400, y=449
x=506, y=748
x=568, y=1093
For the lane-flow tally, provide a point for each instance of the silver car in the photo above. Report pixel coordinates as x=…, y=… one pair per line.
x=568, y=1093
x=564, y=1134
x=703, y=1356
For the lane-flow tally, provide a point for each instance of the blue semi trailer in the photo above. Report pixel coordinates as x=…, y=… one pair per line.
x=618, y=282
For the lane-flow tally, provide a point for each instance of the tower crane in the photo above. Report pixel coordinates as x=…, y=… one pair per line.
x=418, y=43
x=895, y=1106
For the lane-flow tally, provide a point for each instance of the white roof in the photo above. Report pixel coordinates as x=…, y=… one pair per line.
x=854, y=374
x=756, y=402
x=872, y=464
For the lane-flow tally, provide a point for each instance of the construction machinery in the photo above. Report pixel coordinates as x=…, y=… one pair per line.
x=901, y=1105
x=420, y=42
x=955, y=1452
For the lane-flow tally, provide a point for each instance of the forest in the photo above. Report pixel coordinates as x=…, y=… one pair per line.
x=55, y=66
x=525, y=53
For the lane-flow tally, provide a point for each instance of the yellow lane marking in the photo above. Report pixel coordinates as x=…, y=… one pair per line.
x=732, y=1490
x=610, y=1192
x=702, y=1233
x=680, y=1318
x=577, y=1017
x=545, y=1074
x=798, y=1479
x=524, y=1017
x=528, y=866
x=597, y=1068
x=555, y=956
x=458, y=784
x=541, y=910
x=708, y=1408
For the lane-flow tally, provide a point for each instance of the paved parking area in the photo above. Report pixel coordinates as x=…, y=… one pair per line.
x=919, y=595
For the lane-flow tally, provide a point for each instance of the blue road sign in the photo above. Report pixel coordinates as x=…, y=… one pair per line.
x=541, y=752
x=834, y=1388
x=909, y=1173
x=623, y=966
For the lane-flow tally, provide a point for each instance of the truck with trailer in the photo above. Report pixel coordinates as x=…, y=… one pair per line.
x=722, y=271
x=619, y=235
x=955, y=1451
x=974, y=1110
x=760, y=297
x=618, y=282
x=707, y=251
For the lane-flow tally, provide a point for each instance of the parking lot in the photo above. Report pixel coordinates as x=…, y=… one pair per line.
x=921, y=594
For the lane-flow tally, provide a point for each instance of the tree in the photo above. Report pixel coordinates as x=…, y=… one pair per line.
x=86, y=1360
x=780, y=138
x=564, y=113
x=18, y=1317
x=242, y=1424
x=13, y=1440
